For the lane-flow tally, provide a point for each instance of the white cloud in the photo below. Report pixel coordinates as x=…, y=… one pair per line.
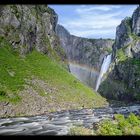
x=85, y=8
x=96, y=20
x=88, y=33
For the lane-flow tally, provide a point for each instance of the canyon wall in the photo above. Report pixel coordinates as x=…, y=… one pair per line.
x=85, y=56
x=33, y=75
x=30, y=27
x=123, y=80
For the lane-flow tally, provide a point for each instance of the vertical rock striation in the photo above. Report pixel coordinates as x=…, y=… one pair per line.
x=123, y=82
x=29, y=27
x=85, y=56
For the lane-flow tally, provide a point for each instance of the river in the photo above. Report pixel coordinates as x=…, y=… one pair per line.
x=59, y=123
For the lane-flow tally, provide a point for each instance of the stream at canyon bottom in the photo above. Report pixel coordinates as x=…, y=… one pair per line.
x=59, y=123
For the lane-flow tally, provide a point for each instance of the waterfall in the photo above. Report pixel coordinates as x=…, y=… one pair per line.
x=103, y=70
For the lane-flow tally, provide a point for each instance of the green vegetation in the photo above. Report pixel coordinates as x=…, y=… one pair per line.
x=121, y=55
x=55, y=53
x=109, y=50
x=120, y=126
x=128, y=23
x=110, y=91
x=87, y=49
x=16, y=70
x=79, y=130
x=15, y=11
x=134, y=36
x=109, y=128
x=129, y=70
x=51, y=53
x=135, y=61
x=44, y=8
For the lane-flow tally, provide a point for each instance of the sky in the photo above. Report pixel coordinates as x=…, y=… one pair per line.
x=92, y=21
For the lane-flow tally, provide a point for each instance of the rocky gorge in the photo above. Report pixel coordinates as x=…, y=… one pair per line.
x=34, y=71
x=124, y=75
x=85, y=56
x=59, y=123
x=51, y=80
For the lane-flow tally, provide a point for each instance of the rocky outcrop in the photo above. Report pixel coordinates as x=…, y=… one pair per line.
x=84, y=55
x=123, y=81
x=34, y=83
x=29, y=27
x=136, y=22
x=122, y=34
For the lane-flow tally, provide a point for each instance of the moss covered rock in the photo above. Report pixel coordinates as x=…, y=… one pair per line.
x=123, y=81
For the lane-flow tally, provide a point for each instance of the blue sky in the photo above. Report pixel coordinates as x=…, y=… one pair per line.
x=92, y=21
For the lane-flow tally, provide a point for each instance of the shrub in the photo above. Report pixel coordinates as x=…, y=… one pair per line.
x=121, y=55
x=108, y=128
x=3, y=93
x=120, y=126
x=79, y=130
x=134, y=120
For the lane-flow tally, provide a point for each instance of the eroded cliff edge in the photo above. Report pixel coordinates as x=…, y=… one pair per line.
x=85, y=56
x=33, y=77
x=123, y=81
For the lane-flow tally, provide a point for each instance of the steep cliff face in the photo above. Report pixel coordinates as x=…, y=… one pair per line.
x=124, y=79
x=30, y=27
x=33, y=79
x=85, y=56
x=136, y=22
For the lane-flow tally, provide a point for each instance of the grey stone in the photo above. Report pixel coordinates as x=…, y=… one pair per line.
x=84, y=55
x=123, y=79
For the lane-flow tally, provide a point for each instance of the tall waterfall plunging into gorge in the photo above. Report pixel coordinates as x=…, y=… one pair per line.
x=103, y=70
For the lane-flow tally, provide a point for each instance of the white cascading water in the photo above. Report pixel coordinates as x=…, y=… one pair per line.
x=103, y=70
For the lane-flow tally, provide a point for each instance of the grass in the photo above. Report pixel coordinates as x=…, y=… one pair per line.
x=109, y=50
x=128, y=22
x=121, y=55
x=79, y=130
x=120, y=126
x=135, y=61
x=69, y=88
x=134, y=36
x=15, y=71
x=130, y=68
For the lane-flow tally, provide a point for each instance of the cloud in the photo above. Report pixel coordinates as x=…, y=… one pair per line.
x=94, y=33
x=96, y=21
x=85, y=8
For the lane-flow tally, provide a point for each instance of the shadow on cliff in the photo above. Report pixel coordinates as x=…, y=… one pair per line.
x=123, y=82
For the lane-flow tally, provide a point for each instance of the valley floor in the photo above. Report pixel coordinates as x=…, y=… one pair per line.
x=35, y=84
x=73, y=122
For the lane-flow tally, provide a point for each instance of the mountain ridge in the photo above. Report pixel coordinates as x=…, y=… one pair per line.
x=34, y=78
x=85, y=52
x=124, y=77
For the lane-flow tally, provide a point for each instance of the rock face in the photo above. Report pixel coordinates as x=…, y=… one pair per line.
x=30, y=27
x=136, y=22
x=122, y=34
x=84, y=55
x=34, y=83
x=124, y=78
